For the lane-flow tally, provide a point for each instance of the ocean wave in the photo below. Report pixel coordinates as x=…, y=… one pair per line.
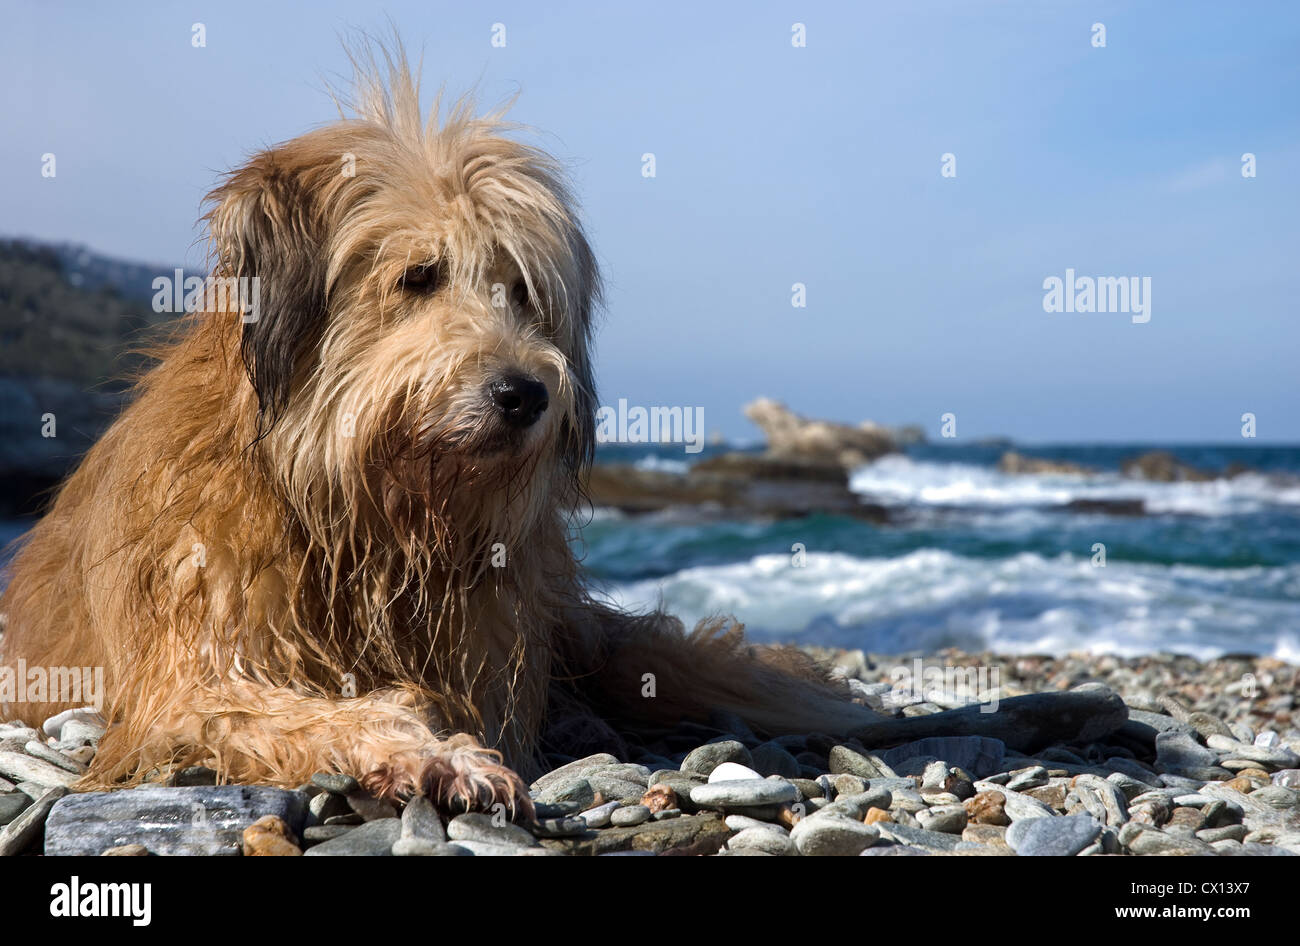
x=1025, y=603
x=901, y=481
x=659, y=464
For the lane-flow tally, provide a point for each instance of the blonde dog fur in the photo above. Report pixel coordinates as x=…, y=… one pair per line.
x=311, y=544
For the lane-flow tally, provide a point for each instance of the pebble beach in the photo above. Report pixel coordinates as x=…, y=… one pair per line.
x=1206, y=762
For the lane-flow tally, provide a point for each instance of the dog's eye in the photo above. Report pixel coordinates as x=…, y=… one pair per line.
x=519, y=295
x=425, y=279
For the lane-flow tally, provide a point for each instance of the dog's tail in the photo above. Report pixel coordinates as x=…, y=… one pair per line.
x=646, y=671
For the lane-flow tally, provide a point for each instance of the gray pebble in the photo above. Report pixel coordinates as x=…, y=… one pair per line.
x=905, y=799
x=335, y=782
x=1277, y=757
x=1031, y=777
x=599, y=816
x=624, y=772
x=620, y=788
x=949, y=819
x=572, y=770
x=576, y=789
x=422, y=847
x=25, y=768
x=488, y=849
x=744, y=822
x=1052, y=837
x=21, y=833
x=846, y=761
x=476, y=826
x=12, y=805
x=1017, y=805
x=560, y=827
x=372, y=839
x=762, y=839
x=1230, y=832
x=40, y=750
x=1287, y=778
x=832, y=836
x=981, y=755
x=1178, y=753
x=19, y=733
x=556, y=810
x=1143, y=839
x=320, y=833
x=350, y=819
x=1276, y=796
x=325, y=805
x=420, y=822
x=80, y=731
x=744, y=793
x=772, y=759
x=629, y=816
x=187, y=777
x=894, y=850
x=919, y=837
x=856, y=806
x=369, y=807
x=1128, y=786
x=708, y=757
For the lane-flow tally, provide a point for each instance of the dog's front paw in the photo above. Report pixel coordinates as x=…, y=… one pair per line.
x=457, y=776
x=473, y=779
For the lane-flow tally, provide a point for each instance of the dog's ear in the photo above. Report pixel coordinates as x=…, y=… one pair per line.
x=580, y=440
x=266, y=228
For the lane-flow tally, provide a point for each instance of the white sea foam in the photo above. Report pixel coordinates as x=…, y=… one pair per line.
x=900, y=480
x=662, y=464
x=1024, y=603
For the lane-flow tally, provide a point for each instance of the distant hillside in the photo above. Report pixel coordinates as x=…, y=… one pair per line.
x=69, y=319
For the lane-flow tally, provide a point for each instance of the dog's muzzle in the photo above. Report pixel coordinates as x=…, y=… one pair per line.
x=519, y=400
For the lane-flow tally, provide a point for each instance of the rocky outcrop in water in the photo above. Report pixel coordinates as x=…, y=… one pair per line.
x=1013, y=462
x=1161, y=466
x=790, y=436
x=733, y=484
x=70, y=324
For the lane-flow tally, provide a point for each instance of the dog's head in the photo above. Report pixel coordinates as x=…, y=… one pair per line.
x=424, y=299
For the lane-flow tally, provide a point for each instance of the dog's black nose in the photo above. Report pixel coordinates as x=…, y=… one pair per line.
x=520, y=400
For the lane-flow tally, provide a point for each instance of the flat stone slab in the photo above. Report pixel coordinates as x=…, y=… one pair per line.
x=372, y=839
x=196, y=820
x=700, y=834
x=744, y=793
x=979, y=755
x=1024, y=723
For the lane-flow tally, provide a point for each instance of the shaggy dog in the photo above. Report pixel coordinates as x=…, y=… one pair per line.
x=333, y=533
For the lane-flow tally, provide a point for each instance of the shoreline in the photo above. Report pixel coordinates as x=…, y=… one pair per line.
x=1203, y=758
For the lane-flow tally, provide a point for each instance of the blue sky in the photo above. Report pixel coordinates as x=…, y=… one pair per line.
x=777, y=165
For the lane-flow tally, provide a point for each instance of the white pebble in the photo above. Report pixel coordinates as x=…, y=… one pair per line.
x=732, y=772
x=54, y=725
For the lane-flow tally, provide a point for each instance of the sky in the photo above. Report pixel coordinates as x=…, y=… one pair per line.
x=777, y=165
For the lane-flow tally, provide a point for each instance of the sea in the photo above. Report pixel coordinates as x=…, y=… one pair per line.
x=978, y=559
x=981, y=560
